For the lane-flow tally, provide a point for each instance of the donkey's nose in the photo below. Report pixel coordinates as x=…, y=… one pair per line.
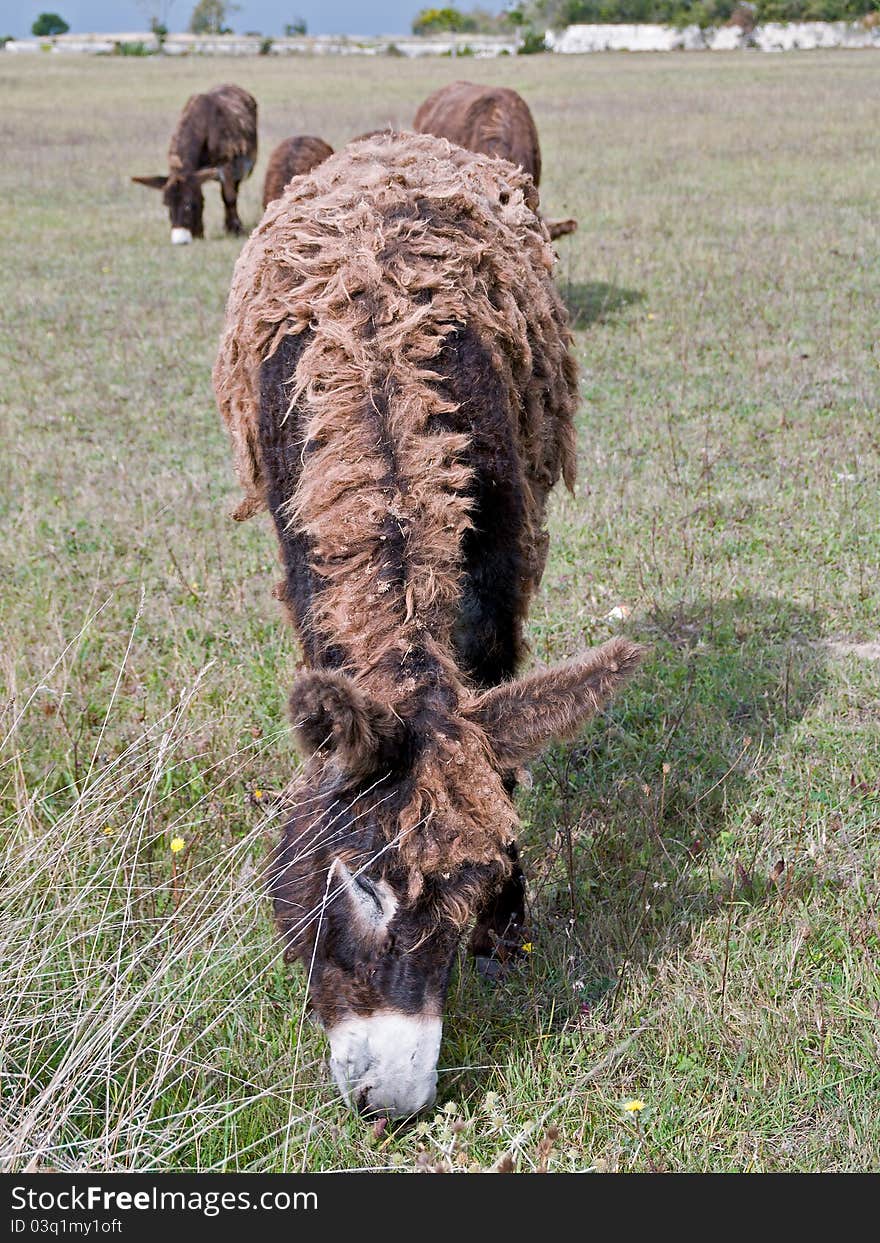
x=386, y=1064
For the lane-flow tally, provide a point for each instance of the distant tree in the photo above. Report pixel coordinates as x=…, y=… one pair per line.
x=476, y=21
x=209, y=17
x=299, y=26
x=432, y=21
x=48, y=24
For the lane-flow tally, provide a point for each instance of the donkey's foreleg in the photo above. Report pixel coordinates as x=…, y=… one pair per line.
x=229, y=190
x=497, y=939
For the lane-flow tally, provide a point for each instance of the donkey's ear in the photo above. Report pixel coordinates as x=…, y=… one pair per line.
x=331, y=714
x=521, y=718
x=368, y=905
x=206, y=174
x=152, y=183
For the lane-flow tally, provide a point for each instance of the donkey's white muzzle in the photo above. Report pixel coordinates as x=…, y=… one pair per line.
x=181, y=237
x=386, y=1063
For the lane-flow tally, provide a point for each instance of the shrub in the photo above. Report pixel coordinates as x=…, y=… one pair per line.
x=132, y=49
x=559, y=13
x=533, y=42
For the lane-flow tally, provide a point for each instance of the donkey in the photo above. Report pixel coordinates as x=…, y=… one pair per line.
x=291, y=158
x=397, y=377
x=215, y=140
x=493, y=119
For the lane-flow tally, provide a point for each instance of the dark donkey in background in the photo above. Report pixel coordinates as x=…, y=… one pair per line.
x=215, y=140
x=397, y=378
x=291, y=158
x=492, y=119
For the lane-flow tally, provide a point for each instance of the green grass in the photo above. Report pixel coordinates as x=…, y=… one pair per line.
x=725, y=287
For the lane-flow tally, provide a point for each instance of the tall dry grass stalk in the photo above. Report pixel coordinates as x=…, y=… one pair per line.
x=127, y=964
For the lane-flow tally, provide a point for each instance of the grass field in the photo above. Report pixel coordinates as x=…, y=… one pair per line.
x=703, y=865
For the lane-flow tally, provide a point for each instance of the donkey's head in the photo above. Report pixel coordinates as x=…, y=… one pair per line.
x=182, y=195
x=400, y=836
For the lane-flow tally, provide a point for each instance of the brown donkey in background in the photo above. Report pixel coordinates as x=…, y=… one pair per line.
x=215, y=140
x=494, y=120
x=397, y=378
x=291, y=158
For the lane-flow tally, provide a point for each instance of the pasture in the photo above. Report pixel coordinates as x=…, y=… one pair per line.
x=703, y=864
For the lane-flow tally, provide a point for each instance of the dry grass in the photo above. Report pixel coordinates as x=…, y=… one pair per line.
x=726, y=290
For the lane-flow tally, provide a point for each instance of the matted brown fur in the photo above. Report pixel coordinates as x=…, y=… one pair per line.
x=292, y=158
x=381, y=252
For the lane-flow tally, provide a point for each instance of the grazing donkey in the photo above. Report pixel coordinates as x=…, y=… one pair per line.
x=492, y=119
x=215, y=140
x=397, y=378
x=292, y=158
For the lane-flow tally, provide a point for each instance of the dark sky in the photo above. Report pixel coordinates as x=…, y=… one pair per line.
x=267, y=16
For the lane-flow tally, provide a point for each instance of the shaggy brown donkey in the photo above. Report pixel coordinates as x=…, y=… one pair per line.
x=215, y=140
x=397, y=378
x=292, y=158
x=492, y=119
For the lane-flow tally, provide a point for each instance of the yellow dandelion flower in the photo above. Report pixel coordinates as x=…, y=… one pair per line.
x=177, y=844
x=633, y=1107
x=527, y=948
x=258, y=794
x=108, y=830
